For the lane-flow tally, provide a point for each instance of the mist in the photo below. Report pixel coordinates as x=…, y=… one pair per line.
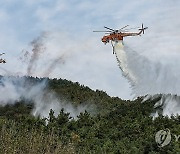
x=16, y=89
x=148, y=77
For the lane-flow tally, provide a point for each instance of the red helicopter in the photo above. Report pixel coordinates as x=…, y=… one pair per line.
x=115, y=35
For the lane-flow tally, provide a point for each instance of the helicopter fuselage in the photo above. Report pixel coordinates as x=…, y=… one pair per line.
x=113, y=37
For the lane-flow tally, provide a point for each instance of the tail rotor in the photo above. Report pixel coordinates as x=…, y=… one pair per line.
x=143, y=28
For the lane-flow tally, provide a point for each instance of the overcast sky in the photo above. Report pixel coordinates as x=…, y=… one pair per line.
x=69, y=24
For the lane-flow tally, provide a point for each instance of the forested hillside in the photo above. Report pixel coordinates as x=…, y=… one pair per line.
x=109, y=125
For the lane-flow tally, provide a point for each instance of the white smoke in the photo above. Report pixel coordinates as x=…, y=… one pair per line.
x=15, y=89
x=150, y=78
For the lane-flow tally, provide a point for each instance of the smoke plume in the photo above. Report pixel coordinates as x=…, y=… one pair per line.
x=54, y=63
x=149, y=78
x=15, y=89
x=25, y=56
x=44, y=55
x=38, y=48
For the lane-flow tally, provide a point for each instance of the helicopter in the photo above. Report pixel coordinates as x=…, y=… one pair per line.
x=2, y=60
x=119, y=34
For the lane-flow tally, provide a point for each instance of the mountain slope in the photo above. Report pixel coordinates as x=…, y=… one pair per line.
x=106, y=125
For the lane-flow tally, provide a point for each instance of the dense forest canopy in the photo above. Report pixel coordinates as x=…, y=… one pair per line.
x=105, y=125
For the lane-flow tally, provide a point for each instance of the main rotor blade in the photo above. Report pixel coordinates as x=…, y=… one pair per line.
x=102, y=31
x=124, y=27
x=132, y=28
x=109, y=28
